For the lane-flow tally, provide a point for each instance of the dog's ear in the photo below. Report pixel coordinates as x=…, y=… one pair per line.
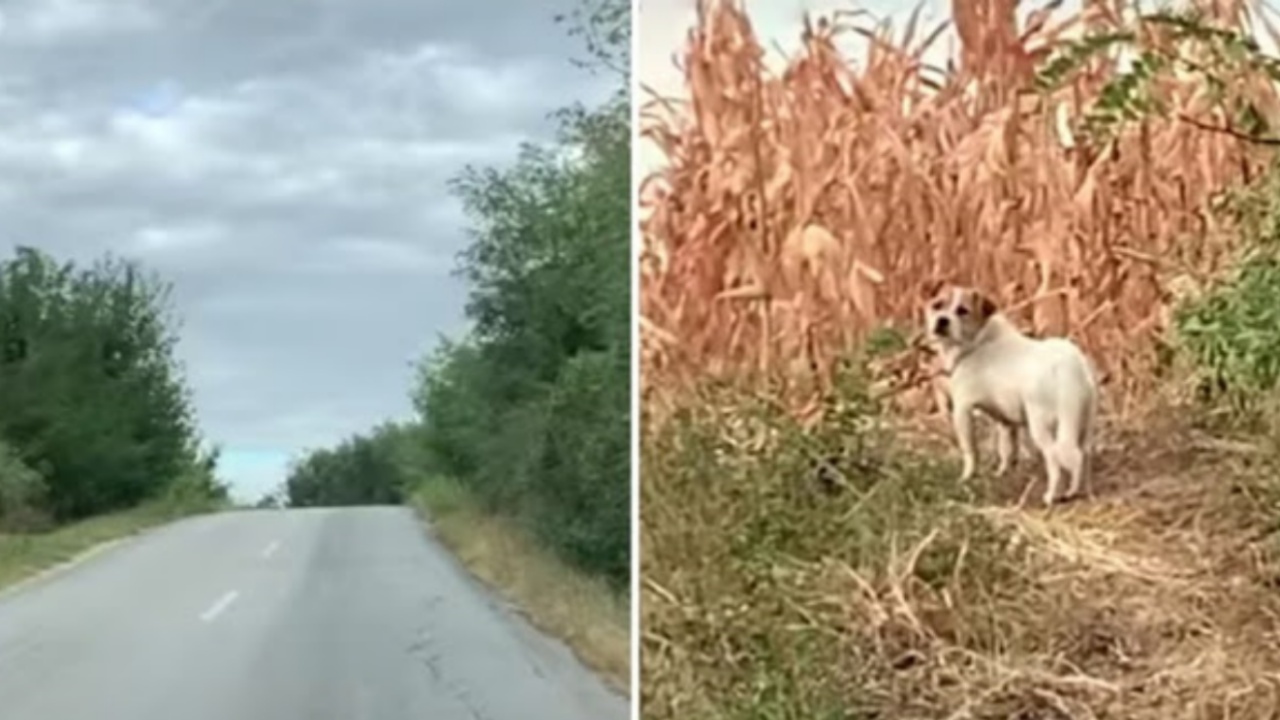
x=985, y=305
x=929, y=289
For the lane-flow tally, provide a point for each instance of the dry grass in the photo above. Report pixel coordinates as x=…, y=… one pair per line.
x=801, y=211
x=582, y=611
x=904, y=595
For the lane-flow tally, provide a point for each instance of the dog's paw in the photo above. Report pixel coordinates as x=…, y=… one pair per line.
x=1061, y=499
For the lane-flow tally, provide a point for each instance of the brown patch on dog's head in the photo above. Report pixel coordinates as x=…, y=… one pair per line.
x=934, y=295
x=983, y=305
x=955, y=315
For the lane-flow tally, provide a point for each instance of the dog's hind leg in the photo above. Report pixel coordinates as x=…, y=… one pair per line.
x=1075, y=435
x=1041, y=429
x=1075, y=462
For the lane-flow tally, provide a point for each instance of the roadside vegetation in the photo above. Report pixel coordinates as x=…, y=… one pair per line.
x=807, y=549
x=26, y=554
x=519, y=454
x=97, y=435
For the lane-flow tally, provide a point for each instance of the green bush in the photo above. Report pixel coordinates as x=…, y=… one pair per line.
x=23, y=494
x=441, y=495
x=529, y=412
x=93, y=398
x=193, y=491
x=765, y=535
x=1232, y=334
x=581, y=501
x=361, y=470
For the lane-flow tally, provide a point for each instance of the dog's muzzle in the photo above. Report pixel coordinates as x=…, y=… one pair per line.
x=941, y=326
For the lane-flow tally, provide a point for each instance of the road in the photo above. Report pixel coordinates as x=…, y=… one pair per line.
x=333, y=614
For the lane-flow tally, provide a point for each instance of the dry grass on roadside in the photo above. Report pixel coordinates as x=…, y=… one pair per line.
x=880, y=588
x=25, y=555
x=583, y=612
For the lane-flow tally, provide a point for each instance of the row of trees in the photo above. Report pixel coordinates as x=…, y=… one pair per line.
x=529, y=411
x=94, y=413
x=367, y=469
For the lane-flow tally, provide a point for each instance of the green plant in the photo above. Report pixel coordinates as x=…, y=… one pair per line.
x=1230, y=334
x=23, y=494
x=884, y=340
x=441, y=496
x=94, y=399
x=771, y=584
x=1163, y=43
x=1233, y=334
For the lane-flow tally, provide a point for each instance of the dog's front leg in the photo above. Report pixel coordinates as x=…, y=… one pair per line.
x=1007, y=447
x=962, y=419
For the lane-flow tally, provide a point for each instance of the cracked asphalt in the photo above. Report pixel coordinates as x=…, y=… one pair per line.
x=342, y=614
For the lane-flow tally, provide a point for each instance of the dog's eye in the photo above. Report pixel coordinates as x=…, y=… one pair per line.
x=937, y=306
x=962, y=311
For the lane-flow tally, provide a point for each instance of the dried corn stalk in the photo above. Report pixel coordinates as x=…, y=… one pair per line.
x=798, y=212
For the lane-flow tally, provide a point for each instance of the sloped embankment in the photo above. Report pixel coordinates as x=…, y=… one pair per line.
x=876, y=587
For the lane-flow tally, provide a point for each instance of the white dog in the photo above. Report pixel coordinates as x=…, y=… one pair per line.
x=1046, y=386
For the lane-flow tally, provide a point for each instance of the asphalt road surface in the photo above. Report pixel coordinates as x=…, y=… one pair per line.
x=347, y=614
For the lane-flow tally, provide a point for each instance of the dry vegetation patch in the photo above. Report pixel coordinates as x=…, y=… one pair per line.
x=902, y=594
x=591, y=617
x=807, y=551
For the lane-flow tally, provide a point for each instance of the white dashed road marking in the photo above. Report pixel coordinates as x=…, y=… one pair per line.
x=217, y=608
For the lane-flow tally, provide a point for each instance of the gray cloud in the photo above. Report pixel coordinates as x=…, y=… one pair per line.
x=284, y=165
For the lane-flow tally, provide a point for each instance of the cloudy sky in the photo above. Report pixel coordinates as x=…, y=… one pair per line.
x=283, y=164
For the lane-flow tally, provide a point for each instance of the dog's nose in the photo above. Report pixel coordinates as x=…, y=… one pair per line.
x=941, y=324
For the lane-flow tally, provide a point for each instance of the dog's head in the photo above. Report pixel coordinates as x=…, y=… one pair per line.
x=955, y=315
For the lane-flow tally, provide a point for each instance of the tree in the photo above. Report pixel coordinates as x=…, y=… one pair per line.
x=1166, y=45
x=531, y=410
x=93, y=399
x=361, y=470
